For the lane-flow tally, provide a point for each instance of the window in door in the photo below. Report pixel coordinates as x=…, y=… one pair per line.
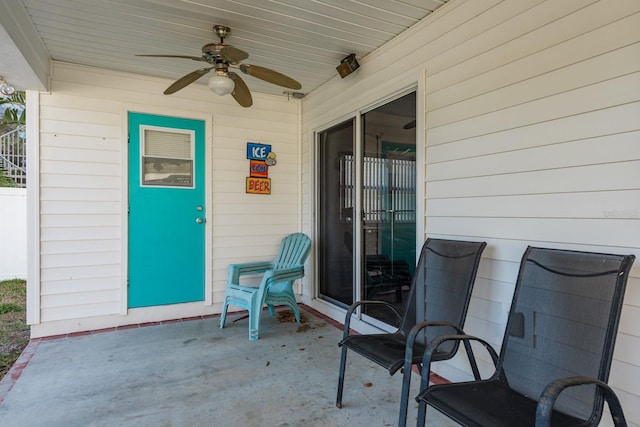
x=167, y=157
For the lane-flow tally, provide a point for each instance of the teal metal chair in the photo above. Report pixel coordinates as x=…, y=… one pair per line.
x=276, y=287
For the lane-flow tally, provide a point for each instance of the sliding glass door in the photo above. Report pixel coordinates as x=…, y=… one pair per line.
x=336, y=213
x=378, y=181
x=388, y=204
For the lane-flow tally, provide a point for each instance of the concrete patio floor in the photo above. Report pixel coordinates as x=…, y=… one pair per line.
x=191, y=373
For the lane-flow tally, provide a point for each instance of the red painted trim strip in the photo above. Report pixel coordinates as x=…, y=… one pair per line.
x=18, y=367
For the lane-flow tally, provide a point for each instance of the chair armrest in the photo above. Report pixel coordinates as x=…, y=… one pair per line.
x=352, y=307
x=272, y=277
x=426, y=365
x=552, y=392
x=408, y=361
x=466, y=339
x=237, y=270
x=413, y=334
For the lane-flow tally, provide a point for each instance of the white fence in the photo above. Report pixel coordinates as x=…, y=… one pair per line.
x=13, y=156
x=13, y=233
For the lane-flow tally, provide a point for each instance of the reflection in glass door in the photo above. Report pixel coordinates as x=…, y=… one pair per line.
x=388, y=204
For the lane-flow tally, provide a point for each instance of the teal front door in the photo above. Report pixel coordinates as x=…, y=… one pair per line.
x=166, y=210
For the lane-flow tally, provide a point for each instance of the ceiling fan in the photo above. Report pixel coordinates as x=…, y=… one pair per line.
x=410, y=125
x=222, y=56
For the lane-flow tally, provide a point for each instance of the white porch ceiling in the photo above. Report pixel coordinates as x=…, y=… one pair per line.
x=305, y=39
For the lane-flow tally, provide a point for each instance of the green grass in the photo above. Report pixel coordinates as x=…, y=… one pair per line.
x=14, y=332
x=13, y=291
x=10, y=308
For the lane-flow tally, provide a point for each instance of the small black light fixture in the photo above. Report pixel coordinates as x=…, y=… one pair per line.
x=294, y=95
x=348, y=65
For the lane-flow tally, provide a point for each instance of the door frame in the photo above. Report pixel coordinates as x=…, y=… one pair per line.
x=368, y=325
x=208, y=199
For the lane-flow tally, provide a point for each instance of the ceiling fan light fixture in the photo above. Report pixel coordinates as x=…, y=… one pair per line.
x=221, y=84
x=5, y=88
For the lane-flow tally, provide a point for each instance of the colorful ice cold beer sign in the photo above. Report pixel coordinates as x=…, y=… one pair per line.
x=260, y=158
x=258, y=169
x=257, y=151
x=258, y=185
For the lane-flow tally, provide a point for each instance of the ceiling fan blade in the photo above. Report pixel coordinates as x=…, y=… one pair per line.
x=410, y=125
x=270, y=76
x=195, y=58
x=233, y=54
x=241, y=92
x=186, y=80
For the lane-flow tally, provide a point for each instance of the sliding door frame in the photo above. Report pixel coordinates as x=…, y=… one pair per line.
x=366, y=323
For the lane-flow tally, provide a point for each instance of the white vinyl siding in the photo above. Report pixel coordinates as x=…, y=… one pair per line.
x=531, y=138
x=80, y=196
x=83, y=171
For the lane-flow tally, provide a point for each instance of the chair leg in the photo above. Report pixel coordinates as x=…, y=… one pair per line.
x=293, y=305
x=404, y=397
x=343, y=363
x=294, y=308
x=254, y=317
x=399, y=294
x=223, y=315
x=422, y=414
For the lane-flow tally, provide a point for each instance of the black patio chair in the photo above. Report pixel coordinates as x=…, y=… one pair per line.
x=382, y=274
x=437, y=304
x=556, y=352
